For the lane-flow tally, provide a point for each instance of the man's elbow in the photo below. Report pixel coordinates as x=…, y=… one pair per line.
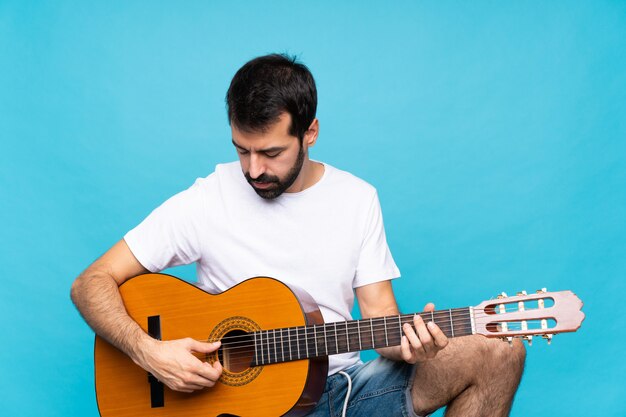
x=75, y=290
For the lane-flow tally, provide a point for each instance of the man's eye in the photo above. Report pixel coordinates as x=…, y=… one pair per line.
x=272, y=155
x=242, y=152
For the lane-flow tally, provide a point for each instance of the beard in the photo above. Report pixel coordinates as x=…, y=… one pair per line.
x=278, y=186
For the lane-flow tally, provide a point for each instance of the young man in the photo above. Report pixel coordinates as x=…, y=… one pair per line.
x=278, y=213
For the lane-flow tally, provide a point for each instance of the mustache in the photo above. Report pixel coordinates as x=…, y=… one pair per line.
x=263, y=178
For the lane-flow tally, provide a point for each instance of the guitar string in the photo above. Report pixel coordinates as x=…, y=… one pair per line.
x=276, y=355
x=273, y=354
x=273, y=351
x=458, y=313
x=301, y=336
x=462, y=313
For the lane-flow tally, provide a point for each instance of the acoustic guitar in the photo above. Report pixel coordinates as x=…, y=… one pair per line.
x=275, y=345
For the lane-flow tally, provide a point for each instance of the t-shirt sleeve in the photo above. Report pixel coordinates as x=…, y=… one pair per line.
x=169, y=236
x=375, y=261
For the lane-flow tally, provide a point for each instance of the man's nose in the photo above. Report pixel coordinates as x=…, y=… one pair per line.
x=257, y=168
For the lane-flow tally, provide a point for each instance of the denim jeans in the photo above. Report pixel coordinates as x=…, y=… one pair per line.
x=380, y=387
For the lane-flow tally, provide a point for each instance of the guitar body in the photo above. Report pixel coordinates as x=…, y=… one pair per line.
x=169, y=308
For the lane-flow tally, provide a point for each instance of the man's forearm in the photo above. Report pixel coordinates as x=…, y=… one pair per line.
x=97, y=297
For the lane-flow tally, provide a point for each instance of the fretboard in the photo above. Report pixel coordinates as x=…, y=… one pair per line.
x=304, y=342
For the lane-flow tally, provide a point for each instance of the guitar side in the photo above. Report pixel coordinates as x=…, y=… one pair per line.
x=183, y=310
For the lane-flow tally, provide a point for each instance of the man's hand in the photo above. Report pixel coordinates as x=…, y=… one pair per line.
x=173, y=363
x=424, y=342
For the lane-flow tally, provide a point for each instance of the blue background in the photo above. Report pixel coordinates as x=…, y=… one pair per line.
x=494, y=131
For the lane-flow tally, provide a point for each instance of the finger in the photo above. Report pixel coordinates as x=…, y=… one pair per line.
x=183, y=386
x=197, y=381
x=209, y=372
x=218, y=367
x=424, y=336
x=439, y=337
x=416, y=345
x=204, y=347
x=429, y=307
x=194, y=387
x=405, y=350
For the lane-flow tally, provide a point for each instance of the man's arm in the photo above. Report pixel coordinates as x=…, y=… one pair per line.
x=96, y=295
x=376, y=300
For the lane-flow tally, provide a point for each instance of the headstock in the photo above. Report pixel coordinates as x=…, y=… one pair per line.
x=541, y=314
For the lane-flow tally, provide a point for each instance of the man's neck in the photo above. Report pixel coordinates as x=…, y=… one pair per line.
x=310, y=174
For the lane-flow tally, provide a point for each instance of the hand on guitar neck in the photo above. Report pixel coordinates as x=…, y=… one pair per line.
x=420, y=342
x=424, y=342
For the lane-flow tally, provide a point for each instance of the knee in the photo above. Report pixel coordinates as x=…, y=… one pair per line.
x=505, y=356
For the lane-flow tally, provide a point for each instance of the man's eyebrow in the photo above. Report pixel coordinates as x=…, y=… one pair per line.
x=237, y=146
x=266, y=150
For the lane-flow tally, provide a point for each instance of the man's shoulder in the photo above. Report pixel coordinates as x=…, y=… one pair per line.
x=223, y=172
x=348, y=182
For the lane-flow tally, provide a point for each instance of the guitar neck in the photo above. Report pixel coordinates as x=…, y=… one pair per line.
x=305, y=342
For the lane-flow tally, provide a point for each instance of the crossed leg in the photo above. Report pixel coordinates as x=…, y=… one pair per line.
x=473, y=376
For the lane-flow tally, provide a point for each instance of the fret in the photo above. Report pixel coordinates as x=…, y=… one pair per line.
x=279, y=345
x=298, y=344
x=288, y=342
x=341, y=337
x=354, y=335
x=325, y=340
x=256, y=353
x=379, y=332
x=347, y=338
x=408, y=319
x=400, y=326
x=365, y=334
x=463, y=322
x=451, y=324
x=268, y=345
x=385, y=326
x=282, y=348
x=306, y=341
x=289, y=338
x=263, y=355
x=432, y=316
x=315, y=338
x=372, y=331
x=358, y=332
x=394, y=333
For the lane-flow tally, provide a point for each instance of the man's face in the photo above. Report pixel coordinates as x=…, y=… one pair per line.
x=270, y=161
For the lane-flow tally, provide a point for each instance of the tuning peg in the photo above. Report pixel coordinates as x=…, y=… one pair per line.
x=502, y=295
x=519, y=294
x=541, y=291
x=548, y=337
x=510, y=340
x=529, y=339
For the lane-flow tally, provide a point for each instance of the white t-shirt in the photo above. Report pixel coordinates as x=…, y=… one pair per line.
x=327, y=239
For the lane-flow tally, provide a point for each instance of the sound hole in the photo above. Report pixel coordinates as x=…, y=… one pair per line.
x=237, y=351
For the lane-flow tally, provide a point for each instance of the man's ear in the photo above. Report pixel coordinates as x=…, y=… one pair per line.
x=310, y=136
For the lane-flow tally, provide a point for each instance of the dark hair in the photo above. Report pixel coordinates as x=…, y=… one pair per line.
x=268, y=86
